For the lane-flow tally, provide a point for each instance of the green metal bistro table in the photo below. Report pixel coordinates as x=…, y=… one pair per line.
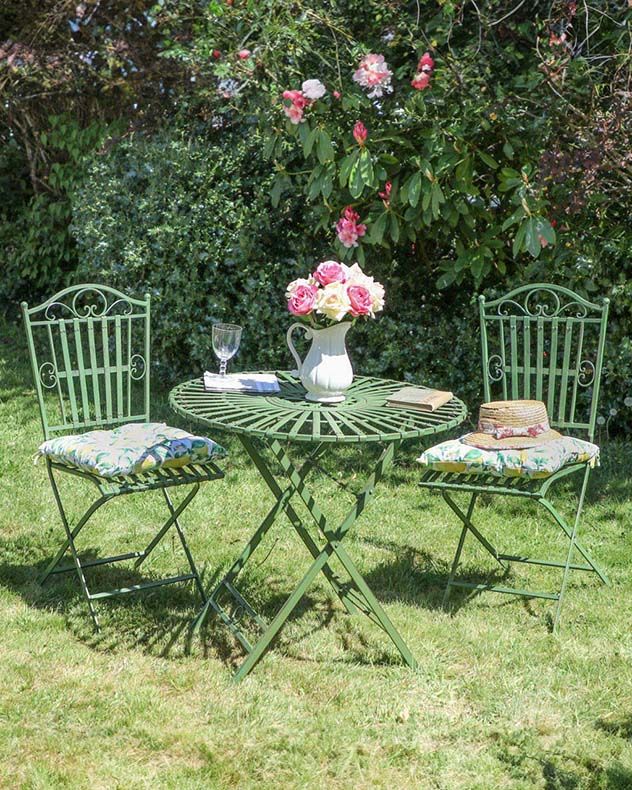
x=267, y=426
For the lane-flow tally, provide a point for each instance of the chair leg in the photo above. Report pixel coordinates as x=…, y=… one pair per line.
x=571, y=549
x=70, y=542
x=185, y=545
x=457, y=556
x=175, y=513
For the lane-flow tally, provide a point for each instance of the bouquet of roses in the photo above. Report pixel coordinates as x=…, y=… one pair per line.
x=333, y=293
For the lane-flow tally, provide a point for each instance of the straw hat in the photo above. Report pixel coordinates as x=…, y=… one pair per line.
x=512, y=425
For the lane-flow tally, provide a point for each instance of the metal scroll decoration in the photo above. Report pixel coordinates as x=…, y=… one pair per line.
x=48, y=375
x=87, y=303
x=542, y=302
x=585, y=373
x=137, y=367
x=495, y=367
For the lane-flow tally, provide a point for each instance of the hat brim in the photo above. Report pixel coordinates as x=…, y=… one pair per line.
x=487, y=442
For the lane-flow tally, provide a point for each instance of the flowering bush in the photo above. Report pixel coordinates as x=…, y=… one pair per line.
x=403, y=183
x=334, y=292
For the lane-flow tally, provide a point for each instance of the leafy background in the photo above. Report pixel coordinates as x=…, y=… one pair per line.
x=138, y=149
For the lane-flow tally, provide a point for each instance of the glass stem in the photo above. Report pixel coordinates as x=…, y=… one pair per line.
x=222, y=367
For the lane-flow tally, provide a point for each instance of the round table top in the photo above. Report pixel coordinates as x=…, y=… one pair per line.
x=286, y=416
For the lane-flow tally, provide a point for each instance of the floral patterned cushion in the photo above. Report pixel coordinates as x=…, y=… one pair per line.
x=131, y=449
x=536, y=462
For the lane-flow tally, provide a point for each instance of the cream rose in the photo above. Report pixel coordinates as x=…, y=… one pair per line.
x=333, y=301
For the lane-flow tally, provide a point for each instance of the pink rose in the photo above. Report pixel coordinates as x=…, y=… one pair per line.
x=244, y=54
x=329, y=272
x=303, y=300
x=336, y=94
x=360, y=300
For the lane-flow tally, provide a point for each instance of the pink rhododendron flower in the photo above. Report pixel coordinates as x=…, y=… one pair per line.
x=303, y=299
x=313, y=89
x=426, y=63
x=360, y=300
x=297, y=98
x=425, y=67
x=294, y=111
x=386, y=194
x=360, y=133
x=349, y=229
x=329, y=272
x=421, y=81
x=373, y=73
x=244, y=54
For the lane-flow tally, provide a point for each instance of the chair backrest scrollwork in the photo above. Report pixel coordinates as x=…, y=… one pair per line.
x=89, y=347
x=545, y=342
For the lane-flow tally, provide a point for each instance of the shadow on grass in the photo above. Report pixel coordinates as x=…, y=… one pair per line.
x=160, y=621
x=418, y=578
x=616, y=725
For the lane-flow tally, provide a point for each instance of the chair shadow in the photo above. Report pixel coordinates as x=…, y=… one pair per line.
x=155, y=620
x=616, y=725
x=418, y=578
x=160, y=621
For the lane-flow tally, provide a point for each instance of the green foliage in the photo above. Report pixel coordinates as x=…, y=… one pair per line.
x=513, y=166
x=520, y=127
x=39, y=251
x=190, y=224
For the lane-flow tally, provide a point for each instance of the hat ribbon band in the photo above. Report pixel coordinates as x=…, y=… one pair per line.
x=507, y=431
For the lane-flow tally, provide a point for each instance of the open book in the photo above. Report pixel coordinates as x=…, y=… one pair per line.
x=418, y=398
x=241, y=382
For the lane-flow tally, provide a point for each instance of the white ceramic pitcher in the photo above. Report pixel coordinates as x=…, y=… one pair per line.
x=326, y=370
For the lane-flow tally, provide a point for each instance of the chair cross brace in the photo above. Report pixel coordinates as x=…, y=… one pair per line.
x=505, y=559
x=79, y=565
x=354, y=594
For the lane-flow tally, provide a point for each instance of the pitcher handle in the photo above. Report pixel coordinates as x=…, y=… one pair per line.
x=290, y=344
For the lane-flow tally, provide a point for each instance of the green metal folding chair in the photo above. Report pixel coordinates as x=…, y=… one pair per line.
x=89, y=347
x=544, y=342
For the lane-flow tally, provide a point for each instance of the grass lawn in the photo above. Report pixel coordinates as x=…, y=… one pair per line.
x=498, y=701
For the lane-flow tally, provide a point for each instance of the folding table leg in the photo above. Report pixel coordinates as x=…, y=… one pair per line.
x=362, y=597
x=284, y=612
x=297, y=481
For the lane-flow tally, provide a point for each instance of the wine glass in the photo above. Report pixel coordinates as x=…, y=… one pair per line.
x=226, y=340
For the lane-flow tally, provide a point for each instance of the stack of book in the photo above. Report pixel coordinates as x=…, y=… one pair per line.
x=261, y=383
x=418, y=398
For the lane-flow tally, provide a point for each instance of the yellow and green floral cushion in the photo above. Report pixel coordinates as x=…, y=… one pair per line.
x=542, y=461
x=131, y=449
